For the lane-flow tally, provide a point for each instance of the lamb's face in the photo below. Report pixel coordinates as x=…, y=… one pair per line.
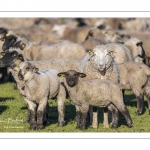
x=101, y=58
x=26, y=71
x=3, y=33
x=72, y=77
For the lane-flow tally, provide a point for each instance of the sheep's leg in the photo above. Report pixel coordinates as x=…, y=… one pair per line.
x=78, y=116
x=140, y=100
x=123, y=109
x=90, y=113
x=84, y=109
x=147, y=94
x=95, y=117
x=115, y=115
x=105, y=112
x=41, y=111
x=45, y=120
x=32, y=111
x=61, y=97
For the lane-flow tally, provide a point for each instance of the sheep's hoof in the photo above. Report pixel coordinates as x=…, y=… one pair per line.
x=106, y=125
x=95, y=126
x=139, y=113
x=114, y=126
x=61, y=124
x=130, y=125
x=33, y=126
x=82, y=128
x=39, y=126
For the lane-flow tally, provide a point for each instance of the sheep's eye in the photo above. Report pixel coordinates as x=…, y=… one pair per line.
x=27, y=69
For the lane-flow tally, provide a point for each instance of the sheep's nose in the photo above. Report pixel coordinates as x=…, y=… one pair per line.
x=4, y=47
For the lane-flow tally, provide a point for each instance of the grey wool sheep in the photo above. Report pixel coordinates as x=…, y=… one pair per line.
x=89, y=65
x=101, y=93
x=35, y=51
x=39, y=86
x=132, y=76
x=136, y=47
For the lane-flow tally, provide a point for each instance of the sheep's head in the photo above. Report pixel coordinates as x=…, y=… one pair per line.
x=101, y=58
x=72, y=77
x=26, y=71
x=11, y=58
x=3, y=33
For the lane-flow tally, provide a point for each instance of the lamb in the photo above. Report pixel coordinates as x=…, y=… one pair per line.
x=16, y=57
x=39, y=86
x=62, y=49
x=100, y=94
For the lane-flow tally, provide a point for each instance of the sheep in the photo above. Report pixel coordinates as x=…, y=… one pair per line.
x=132, y=76
x=87, y=64
x=74, y=34
x=136, y=47
x=32, y=51
x=102, y=93
x=39, y=86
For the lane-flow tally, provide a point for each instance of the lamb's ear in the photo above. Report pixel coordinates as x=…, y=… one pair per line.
x=2, y=54
x=22, y=46
x=20, y=57
x=82, y=75
x=35, y=69
x=90, y=53
x=112, y=54
x=61, y=74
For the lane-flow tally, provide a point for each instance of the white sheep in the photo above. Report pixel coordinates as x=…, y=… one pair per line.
x=39, y=86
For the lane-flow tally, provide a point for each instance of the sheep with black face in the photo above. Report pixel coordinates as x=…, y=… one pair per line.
x=100, y=94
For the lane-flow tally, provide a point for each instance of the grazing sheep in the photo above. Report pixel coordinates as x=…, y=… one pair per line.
x=39, y=86
x=100, y=94
x=34, y=51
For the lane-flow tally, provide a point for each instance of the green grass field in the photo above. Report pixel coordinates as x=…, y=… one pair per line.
x=13, y=114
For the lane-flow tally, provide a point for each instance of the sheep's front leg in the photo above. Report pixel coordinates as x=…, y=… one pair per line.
x=105, y=112
x=32, y=111
x=61, y=97
x=41, y=111
x=95, y=117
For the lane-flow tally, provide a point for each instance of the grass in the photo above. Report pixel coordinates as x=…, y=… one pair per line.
x=13, y=114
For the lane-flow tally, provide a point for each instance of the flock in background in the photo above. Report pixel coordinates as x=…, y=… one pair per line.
x=90, y=60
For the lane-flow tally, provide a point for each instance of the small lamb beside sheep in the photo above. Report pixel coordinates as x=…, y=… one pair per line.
x=99, y=93
x=39, y=86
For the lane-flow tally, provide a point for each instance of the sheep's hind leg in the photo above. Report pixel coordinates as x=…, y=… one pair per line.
x=41, y=111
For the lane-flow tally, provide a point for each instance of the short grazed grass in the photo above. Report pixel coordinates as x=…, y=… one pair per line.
x=13, y=114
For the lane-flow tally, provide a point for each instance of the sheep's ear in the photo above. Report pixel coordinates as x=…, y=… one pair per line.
x=82, y=75
x=61, y=74
x=20, y=57
x=7, y=34
x=2, y=54
x=35, y=69
x=112, y=54
x=90, y=53
x=103, y=32
x=22, y=46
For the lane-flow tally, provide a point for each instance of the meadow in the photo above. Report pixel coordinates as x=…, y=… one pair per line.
x=13, y=115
